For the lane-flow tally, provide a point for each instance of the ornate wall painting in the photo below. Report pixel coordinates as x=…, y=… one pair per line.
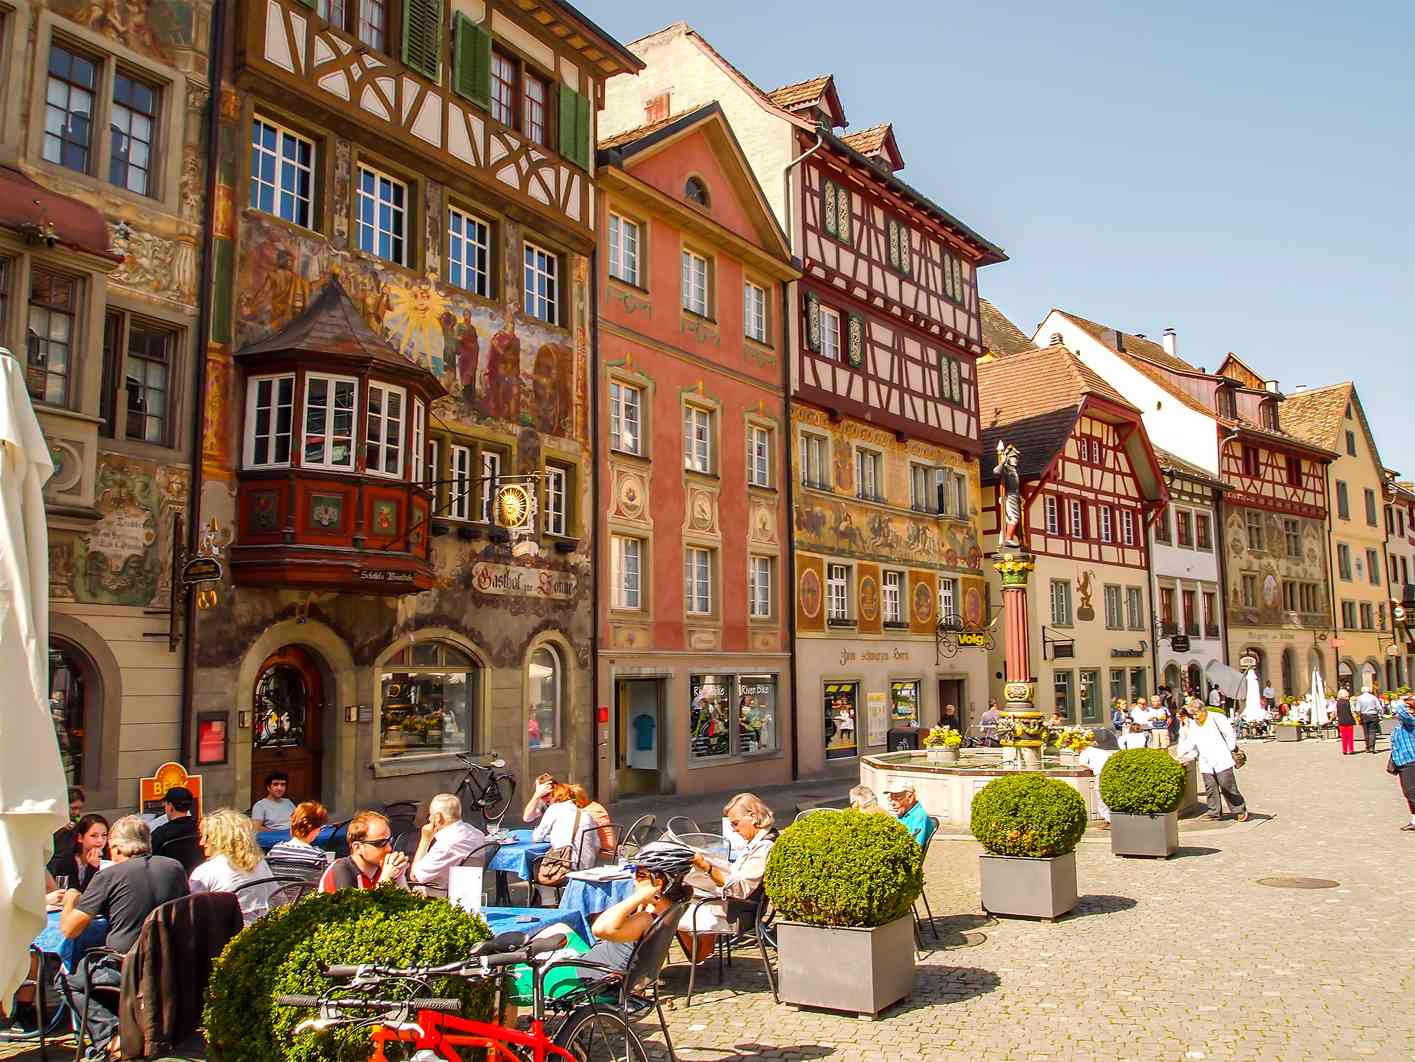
x=810, y=594
x=921, y=602
x=125, y=557
x=867, y=596
x=848, y=527
x=157, y=28
x=975, y=602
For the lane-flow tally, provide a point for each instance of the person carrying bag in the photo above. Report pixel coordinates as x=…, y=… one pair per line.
x=560, y=825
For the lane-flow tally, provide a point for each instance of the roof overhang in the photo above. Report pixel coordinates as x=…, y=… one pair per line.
x=580, y=33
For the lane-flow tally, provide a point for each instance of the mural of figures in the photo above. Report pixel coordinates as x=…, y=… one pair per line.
x=413, y=322
x=846, y=527
x=155, y=28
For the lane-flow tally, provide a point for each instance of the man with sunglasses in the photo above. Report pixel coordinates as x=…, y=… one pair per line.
x=369, y=862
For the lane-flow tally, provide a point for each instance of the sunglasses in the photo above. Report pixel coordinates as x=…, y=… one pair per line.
x=382, y=842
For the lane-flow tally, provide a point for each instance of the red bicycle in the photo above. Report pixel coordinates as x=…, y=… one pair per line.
x=431, y=1027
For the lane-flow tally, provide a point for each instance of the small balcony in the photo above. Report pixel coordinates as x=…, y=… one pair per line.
x=1210, y=630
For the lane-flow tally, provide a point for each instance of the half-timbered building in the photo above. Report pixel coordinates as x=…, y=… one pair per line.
x=397, y=432
x=1091, y=485
x=695, y=649
x=1400, y=561
x=1272, y=528
x=883, y=335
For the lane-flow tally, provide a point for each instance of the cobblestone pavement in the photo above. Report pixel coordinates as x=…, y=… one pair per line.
x=1184, y=959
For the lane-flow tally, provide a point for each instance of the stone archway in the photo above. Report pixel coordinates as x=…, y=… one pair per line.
x=103, y=680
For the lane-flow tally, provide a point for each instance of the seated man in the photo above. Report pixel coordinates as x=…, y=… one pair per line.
x=369, y=862
x=125, y=894
x=445, y=842
x=273, y=811
x=906, y=807
x=177, y=837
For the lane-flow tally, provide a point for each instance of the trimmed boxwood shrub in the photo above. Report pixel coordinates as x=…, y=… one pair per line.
x=1028, y=815
x=284, y=952
x=1142, y=782
x=845, y=868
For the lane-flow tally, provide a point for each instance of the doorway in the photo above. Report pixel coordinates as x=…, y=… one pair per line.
x=638, y=745
x=285, y=725
x=950, y=691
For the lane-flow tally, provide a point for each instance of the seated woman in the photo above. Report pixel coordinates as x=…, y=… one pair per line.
x=564, y=824
x=233, y=859
x=752, y=819
x=605, y=840
x=75, y=868
x=299, y=857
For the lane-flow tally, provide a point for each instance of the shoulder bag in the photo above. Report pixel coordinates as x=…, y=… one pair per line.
x=556, y=865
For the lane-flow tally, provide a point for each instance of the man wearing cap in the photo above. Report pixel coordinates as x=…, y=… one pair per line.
x=181, y=825
x=907, y=809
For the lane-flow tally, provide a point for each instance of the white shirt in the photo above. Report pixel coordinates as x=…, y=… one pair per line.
x=1093, y=758
x=218, y=875
x=1212, y=743
x=275, y=814
x=557, y=826
x=453, y=843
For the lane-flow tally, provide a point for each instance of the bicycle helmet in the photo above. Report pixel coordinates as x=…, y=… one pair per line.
x=663, y=857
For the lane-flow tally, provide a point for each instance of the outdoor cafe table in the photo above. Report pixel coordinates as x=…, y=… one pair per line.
x=268, y=839
x=531, y=920
x=52, y=942
x=591, y=896
x=519, y=856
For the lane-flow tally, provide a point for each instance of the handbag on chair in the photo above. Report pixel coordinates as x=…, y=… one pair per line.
x=556, y=865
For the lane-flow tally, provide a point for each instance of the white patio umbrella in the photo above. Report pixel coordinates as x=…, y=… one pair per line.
x=1253, y=710
x=1321, y=710
x=33, y=795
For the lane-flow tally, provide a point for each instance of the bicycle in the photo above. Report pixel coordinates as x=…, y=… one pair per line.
x=432, y=1027
x=490, y=797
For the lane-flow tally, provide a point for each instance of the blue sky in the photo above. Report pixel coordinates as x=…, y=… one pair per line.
x=1241, y=172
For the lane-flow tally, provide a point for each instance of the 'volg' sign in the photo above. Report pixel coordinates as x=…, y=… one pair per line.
x=517, y=581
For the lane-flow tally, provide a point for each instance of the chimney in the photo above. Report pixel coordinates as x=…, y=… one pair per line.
x=656, y=108
x=1171, y=342
x=1055, y=339
x=1115, y=337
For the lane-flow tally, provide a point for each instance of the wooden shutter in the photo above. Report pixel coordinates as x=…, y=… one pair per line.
x=575, y=127
x=828, y=193
x=813, y=322
x=855, y=340
x=471, y=61
x=422, y=37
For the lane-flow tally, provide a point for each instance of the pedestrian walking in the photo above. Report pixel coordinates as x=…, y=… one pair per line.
x=1368, y=707
x=1345, y=722
x=1402, y=757
x=1208, y=737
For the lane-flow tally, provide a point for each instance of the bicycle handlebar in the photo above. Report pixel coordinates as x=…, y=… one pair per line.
x=298, y=1001
x=444, y=1004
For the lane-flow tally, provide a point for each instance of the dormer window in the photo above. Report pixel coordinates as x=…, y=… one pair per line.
x=695, y=191
x=1267, y=414
x=1225, y=404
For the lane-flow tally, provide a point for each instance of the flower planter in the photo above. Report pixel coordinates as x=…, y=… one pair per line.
x=1067, y=756
x=1155, y=836
x=859, y=971
x=1028, y=888
x=944, y=756
x=1288, y=733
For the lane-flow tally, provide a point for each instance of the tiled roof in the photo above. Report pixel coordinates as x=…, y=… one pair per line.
x=630, y=135
x=1031, y=400
x=1140, y=346
x=1000, y=335
x=868, y=141
x=1236, y=369
x=800, y=93
x=1316, y=415
x=1185, y=468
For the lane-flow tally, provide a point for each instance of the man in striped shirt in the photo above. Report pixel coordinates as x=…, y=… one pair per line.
x=298, y=857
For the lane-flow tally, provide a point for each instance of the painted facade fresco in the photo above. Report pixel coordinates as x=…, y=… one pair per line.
x=1273, y=567
x=158, y=29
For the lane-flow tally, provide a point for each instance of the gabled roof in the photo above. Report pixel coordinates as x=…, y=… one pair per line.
x=1238, y=371
x=572, y=26
x=1318, y=415
x=332, y=324
x=877, y=142
x=1171, y=462
x=1000, y=335
x=628, y=136
x=1032, y=399
x=811, y=93
x=1126, y=343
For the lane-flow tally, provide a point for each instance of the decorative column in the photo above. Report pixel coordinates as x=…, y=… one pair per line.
x=1021, y=726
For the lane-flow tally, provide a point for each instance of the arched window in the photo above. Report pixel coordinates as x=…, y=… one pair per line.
x=546, y=679
x=68, y=705
x=1196, y=681
x=694, y=191
x=431, y=702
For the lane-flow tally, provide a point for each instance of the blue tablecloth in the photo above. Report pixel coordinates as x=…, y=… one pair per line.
x=520, y=856
x=52, y=942
x=268, y=839
x=589, y=898
x=531, y=920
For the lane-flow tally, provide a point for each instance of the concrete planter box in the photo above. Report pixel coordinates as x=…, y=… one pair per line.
x=1388, y=725
x=860, y=971
x=1288, y=733
x=1156, y=836
x=1028, y=888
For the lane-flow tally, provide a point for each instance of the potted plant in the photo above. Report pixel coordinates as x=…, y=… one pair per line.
x=1030, y=825
x=844, y=885
x=941, y=744
x=1288, y=730
x=1143, y=789
x=285, y=952
x=1071, y=741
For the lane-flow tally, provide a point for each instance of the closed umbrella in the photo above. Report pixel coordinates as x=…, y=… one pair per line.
x=33, y=796
x=1321, y=710
x=1253, y=710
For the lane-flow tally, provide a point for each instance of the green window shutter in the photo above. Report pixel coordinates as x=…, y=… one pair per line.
x=422, y=37
x=813, y=322
x=575, y=127
x=308, y=3
x=471, y=61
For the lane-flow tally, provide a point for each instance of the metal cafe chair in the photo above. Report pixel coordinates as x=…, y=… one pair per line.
x=638, y=835
x=924, y=896
x=681, y=824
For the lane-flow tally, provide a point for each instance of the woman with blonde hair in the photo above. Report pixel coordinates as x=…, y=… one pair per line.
x=750, y=818
x=233, y=859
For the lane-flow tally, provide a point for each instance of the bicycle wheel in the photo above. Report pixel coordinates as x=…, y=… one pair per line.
x=495, y=800
x=593, y=1034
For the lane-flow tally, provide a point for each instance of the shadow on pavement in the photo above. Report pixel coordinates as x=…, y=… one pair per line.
x=1189, y=851
x=688, y=1053
x=1094, y=905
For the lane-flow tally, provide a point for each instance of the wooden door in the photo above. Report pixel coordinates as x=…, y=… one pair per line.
x=289, y=697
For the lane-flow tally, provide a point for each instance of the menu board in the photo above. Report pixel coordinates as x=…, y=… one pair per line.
x=875, y=717
x=709, y=716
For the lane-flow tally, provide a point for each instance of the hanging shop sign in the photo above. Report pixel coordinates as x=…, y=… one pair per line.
x=522, y=581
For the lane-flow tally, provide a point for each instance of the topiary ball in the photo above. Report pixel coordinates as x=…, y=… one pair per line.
x=285, y=951
x=845, y=868
x=1142, y=782
x=1028, y=815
